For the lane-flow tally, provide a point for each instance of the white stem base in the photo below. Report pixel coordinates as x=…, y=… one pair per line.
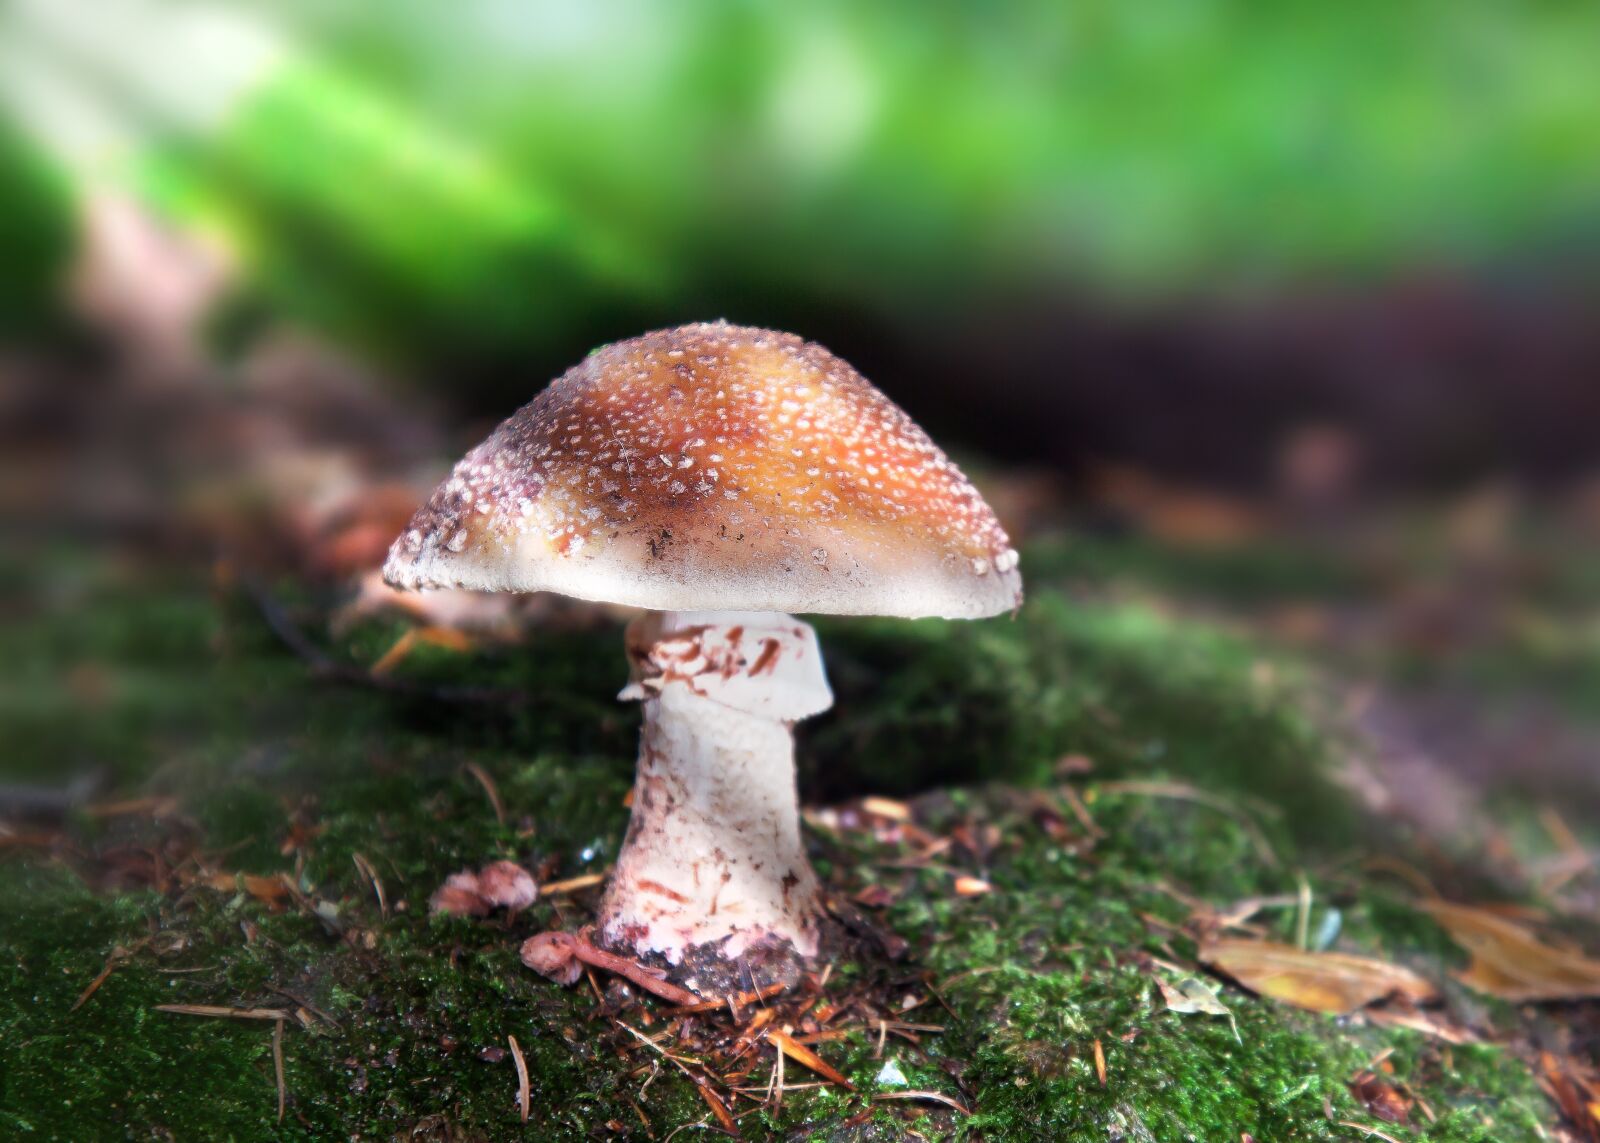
x=713, y=852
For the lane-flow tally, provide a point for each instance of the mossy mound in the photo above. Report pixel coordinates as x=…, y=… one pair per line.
x=173, y=687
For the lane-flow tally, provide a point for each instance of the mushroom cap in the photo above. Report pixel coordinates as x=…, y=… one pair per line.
x=715, y=467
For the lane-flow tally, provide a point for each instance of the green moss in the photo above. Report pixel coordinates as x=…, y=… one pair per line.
x=1249, y=572
x=1058, y=948
x=403, y=1010
x=926, y=704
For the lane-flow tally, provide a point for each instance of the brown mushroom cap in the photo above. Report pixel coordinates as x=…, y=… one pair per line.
x=715, y=468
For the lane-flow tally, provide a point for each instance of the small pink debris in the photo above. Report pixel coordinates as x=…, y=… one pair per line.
x=507, y=885
x=553, y=955
x=499, y=885
x=459, y=896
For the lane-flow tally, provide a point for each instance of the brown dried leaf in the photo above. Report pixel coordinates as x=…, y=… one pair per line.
x=271, y=889
x=1572, y=1089
x=1318, y=981
x=718, y=1108
x=1428, y=1023
x=1191, y=996
x=1380, y=1097
x=807, y=1058
x=1510, y=961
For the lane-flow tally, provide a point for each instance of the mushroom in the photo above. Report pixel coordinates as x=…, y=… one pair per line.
x=720, y=477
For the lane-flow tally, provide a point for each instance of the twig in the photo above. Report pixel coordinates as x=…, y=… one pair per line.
x=935, y=1096
x=740, y=999
x=119, y=956
x=1302, y=914
x=644, y=1119
x=1575, y=860
x=1371, y=1132
x=1081, y=812
x=307, y=1005
x=220, y=1012
x=718, y=1108
x=1407, y=872
x=571, y=884
x=371, y=874
x=155, y=805
x=488, y=785
x=277, y=1067
x=524, y=1088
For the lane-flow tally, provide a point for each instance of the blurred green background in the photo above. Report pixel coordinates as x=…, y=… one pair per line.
x=1000, y=212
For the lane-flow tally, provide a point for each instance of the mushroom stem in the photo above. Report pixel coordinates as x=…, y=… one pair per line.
x=713, y=862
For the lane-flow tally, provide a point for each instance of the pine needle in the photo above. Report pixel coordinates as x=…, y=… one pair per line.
x=277, y=1067
x=804, y=1056
x=524, y=1087
x=933, y=1096
x=219, y=1012
x=489, y=788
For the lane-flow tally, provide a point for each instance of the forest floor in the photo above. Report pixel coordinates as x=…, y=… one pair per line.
x=1240, y=830
x=1050, y=834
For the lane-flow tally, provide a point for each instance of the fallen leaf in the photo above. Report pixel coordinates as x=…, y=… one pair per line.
x=1509, y=960
x=1193, y=996
x=270, y=889
x=1573, y=1089
x=1380, y=1097
x=1319, y=981
x=718, y=1108
x=1427, y=1023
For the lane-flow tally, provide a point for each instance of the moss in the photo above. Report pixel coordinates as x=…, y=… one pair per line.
x=1059, y=947
x=404, y=1015
x=1249, y=572
x=921, y=705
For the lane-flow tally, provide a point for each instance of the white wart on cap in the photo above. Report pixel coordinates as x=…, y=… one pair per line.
x=715, y=467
